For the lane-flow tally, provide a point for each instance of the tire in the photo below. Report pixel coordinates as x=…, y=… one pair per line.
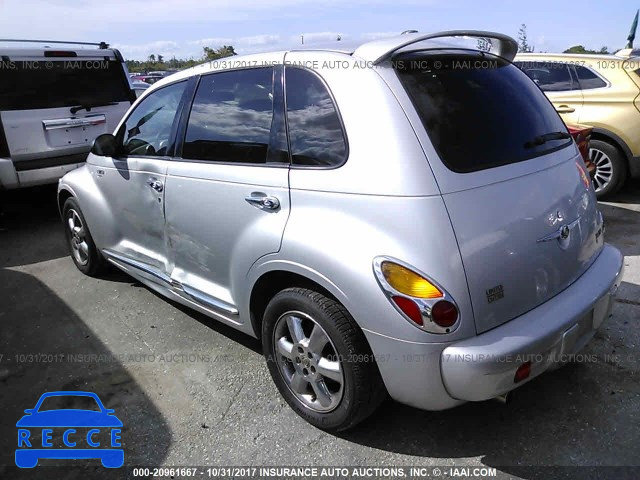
x=82, y=248
x=611, y=168
x=331, y=382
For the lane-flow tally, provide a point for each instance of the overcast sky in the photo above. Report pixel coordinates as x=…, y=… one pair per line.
x=182, y=27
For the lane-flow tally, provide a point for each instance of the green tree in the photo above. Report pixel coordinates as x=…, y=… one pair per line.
x=523, y=42
x=581, y=49
x=214, y=54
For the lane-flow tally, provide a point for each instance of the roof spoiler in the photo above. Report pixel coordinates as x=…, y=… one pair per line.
x=380, y=50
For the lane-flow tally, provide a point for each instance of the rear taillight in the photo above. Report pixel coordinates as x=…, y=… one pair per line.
x=409, y=308
x=60, y=53
x=444, y=313
x=422, y=301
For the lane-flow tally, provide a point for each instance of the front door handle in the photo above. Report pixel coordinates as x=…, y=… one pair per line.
x=565, y=109
x=263, y=201
x=155, y=184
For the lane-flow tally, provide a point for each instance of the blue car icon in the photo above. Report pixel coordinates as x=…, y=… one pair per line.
x=73, y=421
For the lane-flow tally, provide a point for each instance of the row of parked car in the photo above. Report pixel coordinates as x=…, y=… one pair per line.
x=425, y=228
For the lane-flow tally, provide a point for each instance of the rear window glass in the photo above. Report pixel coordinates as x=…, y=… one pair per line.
x=480, y=111
x=61, y=83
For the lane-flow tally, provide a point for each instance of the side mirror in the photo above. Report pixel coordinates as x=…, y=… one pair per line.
x=105, y=145
x=29, y=411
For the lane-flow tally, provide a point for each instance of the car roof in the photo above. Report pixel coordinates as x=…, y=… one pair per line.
x=374, y=52
x=569, y=56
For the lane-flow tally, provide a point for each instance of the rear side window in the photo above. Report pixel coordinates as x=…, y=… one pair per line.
x=62, y=83
x=549, y=76
x=231, y=116
x=480, y=112
x=588, y=79
x=315, y=130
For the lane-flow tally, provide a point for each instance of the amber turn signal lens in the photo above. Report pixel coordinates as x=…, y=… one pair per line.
x=409, y=283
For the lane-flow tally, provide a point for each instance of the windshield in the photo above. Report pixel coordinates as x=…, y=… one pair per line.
x=69, y=402
x=480, y=111
x=62, y=83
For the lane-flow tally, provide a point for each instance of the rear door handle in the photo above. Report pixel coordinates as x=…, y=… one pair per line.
x=263, y=201
x=155, y=184
x=565, y=109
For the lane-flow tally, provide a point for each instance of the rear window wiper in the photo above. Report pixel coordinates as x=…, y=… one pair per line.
x=542, y=139
x=89, y=106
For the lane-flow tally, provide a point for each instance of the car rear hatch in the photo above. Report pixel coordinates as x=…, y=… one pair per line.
x=513, y=182
x=54, y=103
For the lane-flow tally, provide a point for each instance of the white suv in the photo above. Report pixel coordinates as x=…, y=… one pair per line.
x=54, y=101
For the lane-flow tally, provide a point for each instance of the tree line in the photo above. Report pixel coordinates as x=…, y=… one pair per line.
x=159, y=62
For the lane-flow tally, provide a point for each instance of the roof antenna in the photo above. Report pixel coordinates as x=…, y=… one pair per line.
x=409, y=31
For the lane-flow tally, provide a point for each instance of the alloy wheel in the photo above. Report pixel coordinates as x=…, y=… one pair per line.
x=604, y=168
x=308, y=361
x=77, y=239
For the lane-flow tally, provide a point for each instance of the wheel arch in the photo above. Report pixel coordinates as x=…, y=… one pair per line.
x=269, y=283
x=64, y=194
x=606, y=136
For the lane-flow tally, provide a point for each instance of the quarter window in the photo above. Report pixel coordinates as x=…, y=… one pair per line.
x=315, y=131
x=589, y=79
x=231, y=116
x=148, y=130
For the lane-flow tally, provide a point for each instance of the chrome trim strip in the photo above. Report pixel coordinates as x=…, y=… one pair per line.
x=196, y=295
x=139, y=265
x=73, y=122
x=203, y=298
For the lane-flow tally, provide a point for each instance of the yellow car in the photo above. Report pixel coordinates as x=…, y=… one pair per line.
x=602, y=91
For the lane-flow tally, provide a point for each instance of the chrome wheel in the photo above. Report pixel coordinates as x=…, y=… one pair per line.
x=77, y=238
x=308, y=361
x=604, y=168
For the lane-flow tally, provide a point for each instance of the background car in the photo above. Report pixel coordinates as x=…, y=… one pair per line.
x=600, y=91
x=582, y=136
x=139, y=87
x=150, y=79
x=50, y=107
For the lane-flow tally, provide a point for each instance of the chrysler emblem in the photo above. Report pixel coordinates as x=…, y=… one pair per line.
x=561, y=234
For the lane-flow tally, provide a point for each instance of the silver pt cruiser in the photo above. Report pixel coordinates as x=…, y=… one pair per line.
x=408, y=217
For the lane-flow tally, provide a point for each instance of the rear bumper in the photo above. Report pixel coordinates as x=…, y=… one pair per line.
x=11, y=178
x=437, y=376
x=484, y=366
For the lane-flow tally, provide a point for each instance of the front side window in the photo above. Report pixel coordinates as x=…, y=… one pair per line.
x=589, y=79
x=315, y=130
x=549, y=76
x=231, y=117
x=480, y=112
x=149, y=128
